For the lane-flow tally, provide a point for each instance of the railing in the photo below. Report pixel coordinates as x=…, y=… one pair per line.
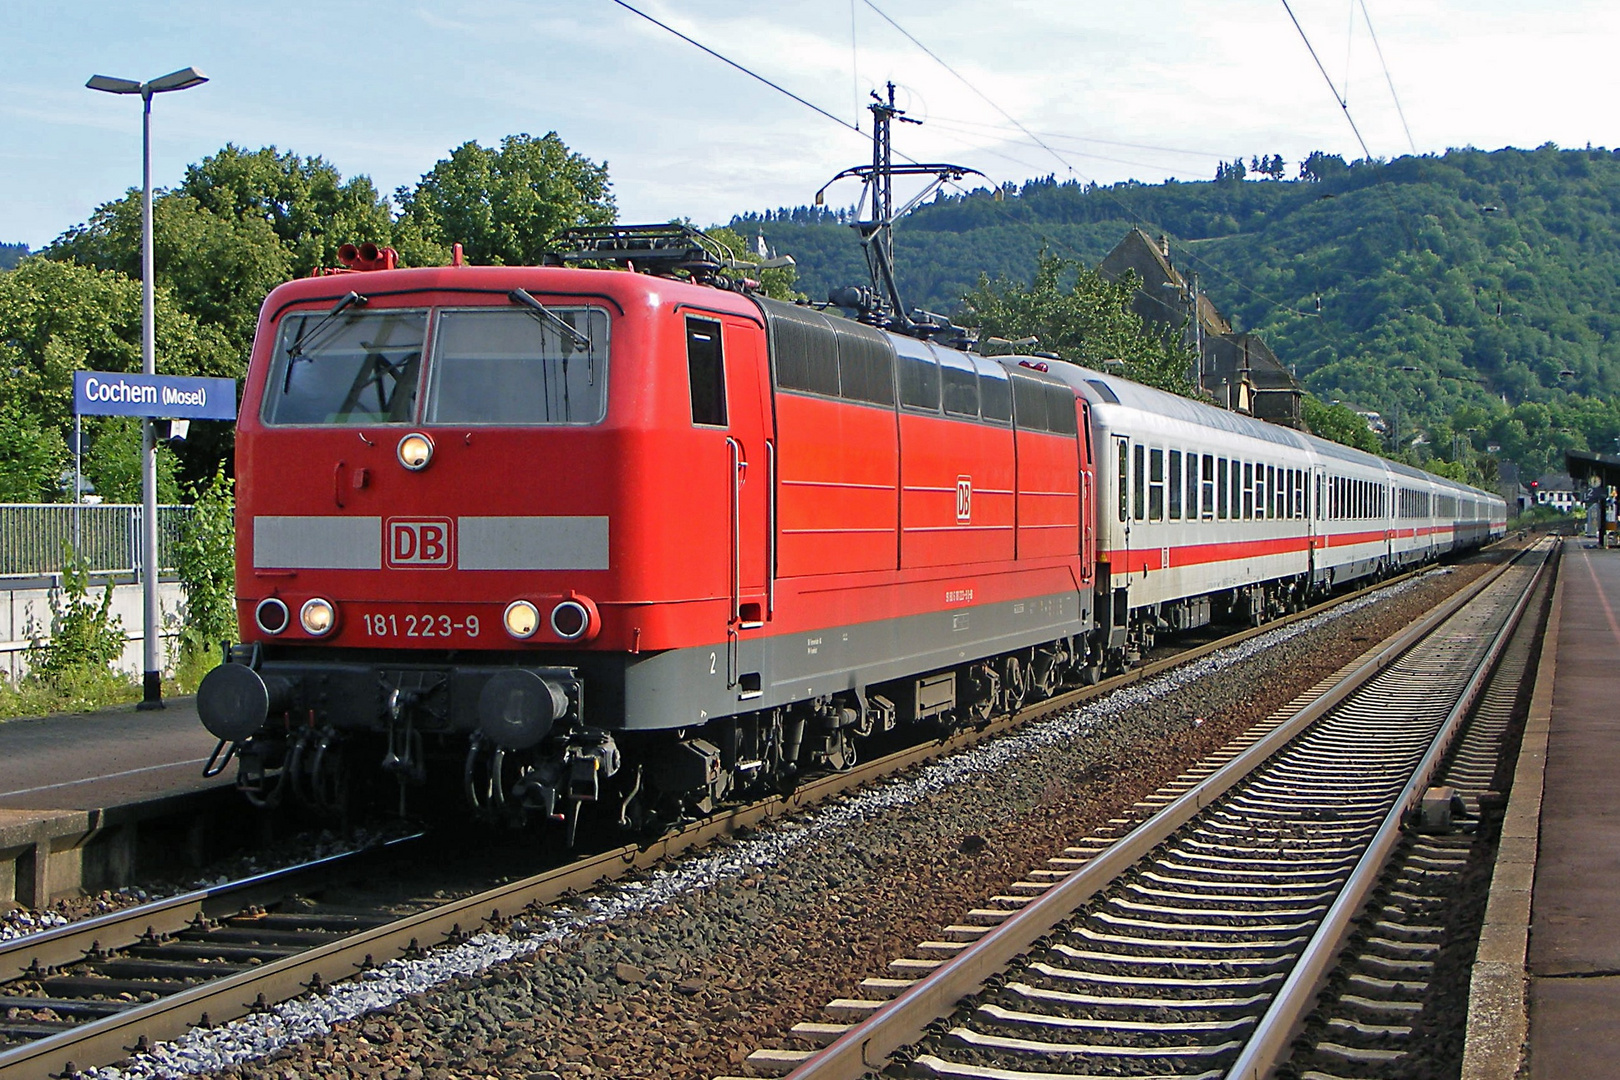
x=37, y=539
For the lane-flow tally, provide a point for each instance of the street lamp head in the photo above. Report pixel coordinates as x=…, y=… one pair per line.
x=110, y=85
x=184, y=79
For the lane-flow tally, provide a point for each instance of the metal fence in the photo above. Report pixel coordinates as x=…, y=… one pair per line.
x=38, y=538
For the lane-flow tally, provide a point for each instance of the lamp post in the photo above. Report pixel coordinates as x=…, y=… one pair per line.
x=152, y=666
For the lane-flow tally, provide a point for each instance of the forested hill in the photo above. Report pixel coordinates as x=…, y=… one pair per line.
x=11, y=254
x=1502, y=267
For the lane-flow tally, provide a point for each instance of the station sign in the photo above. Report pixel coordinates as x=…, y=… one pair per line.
x=172, y=397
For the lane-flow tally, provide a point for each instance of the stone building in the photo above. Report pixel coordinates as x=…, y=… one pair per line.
x=1238, y=370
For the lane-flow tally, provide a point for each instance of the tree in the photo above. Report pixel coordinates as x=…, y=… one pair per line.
x=219, y=268
x=304, y=200
x=502, y=205
x=1075, y=312
x=1319, y=166
x=779, y=283
x=1338, y=423
x=57, y=318
x=31, y=455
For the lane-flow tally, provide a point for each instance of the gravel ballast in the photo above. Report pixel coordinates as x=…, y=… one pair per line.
x=683, y=971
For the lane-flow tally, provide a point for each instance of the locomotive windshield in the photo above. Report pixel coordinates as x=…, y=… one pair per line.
x=487, y=366
x=512, y=366
x=354, y=368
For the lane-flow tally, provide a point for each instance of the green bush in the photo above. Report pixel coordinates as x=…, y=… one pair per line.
x=205, y=558
x=86, y=637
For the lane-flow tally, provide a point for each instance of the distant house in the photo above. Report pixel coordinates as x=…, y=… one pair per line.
x=1238, y=370
x=1558, y=492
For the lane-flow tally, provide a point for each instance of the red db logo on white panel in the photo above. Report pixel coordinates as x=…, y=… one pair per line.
x=419, y=543
x=964, y=499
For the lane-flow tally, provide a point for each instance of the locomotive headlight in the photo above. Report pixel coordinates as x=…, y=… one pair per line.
x=317, y=616
x=415, y=451
x=522, y=619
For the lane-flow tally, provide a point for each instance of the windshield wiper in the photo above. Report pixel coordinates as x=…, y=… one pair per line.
x=296, y=351
x=546, y=315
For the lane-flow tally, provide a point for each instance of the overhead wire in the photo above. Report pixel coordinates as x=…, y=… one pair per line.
x=964, y=81
x=1387, y=77
x=1344, y=106
x=1130, y=214
x=732, y=63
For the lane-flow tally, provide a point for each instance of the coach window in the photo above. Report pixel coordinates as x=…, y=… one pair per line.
x=1139, y=480
x=1192, y=486
x=1248, y=490
x=1175, y=485
x=706, y=372
x=919, y=375
x=1259, y=490
x=1278, y=481
x=1124, y=477
x=1156, y=484
x=1223, y=490
x=1209, y=487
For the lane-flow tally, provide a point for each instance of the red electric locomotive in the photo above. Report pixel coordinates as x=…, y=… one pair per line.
x=564, y=535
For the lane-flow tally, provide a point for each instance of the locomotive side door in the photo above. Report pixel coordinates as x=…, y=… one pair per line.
x=726, y=369
x=753, y=467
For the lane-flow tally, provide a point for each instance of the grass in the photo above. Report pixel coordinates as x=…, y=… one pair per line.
x=88, y=689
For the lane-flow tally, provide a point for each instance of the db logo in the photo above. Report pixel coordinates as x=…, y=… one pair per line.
x=418, y=542
x=964, y=499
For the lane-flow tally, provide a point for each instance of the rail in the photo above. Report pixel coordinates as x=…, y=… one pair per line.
x=867, y=1046
x=111, y=1038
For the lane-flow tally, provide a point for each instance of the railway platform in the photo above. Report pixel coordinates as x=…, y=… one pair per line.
x=1546, y=981
x=86, y=797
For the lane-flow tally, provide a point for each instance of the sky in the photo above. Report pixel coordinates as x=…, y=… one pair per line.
x=1146, y=89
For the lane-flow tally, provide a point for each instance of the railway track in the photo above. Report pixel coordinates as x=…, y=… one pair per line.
x=1195, y=942
x=91, y=993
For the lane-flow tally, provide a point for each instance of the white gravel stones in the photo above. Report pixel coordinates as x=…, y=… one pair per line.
x=253, y=1037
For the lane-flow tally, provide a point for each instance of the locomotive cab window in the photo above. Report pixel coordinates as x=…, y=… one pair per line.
x=706, y=372
x=516, y=367
x=354, y=367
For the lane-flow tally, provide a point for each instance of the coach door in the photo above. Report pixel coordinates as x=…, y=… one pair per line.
x=1318, y=530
